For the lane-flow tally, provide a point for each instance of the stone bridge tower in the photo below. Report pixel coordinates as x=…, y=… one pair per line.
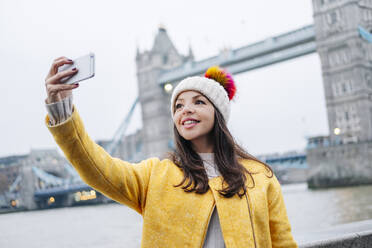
x=157, y=126
x=346, y=65
x=346, y=61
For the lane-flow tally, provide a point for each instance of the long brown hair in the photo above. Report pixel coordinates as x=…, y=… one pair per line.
x=226, y=154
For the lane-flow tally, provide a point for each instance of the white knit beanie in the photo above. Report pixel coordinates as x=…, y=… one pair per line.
x=210, y=88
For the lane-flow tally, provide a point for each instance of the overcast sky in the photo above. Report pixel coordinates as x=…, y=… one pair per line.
x=276, y=106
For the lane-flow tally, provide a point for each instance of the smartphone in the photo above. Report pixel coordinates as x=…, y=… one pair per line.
x=85, y=66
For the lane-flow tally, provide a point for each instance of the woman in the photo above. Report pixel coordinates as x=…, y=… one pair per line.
x=210, y=193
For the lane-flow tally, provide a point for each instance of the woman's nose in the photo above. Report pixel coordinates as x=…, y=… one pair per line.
x=188, y=109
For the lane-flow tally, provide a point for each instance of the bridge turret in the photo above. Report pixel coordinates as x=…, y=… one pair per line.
x=157, y=125
x=346, y=64
x=346, y=61
x=190, y=55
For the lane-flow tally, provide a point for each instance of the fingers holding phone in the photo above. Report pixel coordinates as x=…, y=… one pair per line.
x=57, y=90
x=65, y=74
x=85, y=65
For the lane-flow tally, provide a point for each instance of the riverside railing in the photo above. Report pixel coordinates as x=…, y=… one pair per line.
x=351, y=235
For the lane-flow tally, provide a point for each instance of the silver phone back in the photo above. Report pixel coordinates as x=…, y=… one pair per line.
x=85, y=66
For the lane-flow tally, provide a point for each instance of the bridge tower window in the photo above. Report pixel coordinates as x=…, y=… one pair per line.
x=344, y=88
x=332, y=17
x=165, y=59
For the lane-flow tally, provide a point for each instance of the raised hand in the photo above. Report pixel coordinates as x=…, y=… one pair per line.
x=56, y=90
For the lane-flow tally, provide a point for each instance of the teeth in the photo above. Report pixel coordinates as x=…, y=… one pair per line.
x=189, y=122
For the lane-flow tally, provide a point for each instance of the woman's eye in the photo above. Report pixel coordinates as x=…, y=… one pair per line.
x=199, y=102
x=178, y=106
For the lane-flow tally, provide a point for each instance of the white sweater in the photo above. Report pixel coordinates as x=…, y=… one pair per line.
x=62, y=110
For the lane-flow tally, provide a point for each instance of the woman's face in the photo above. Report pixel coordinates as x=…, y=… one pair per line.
x=193, y=116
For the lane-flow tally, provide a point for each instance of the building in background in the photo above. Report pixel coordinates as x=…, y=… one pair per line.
x=343, y=158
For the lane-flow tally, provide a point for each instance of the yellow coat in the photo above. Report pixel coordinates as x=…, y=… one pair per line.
x=172, y=217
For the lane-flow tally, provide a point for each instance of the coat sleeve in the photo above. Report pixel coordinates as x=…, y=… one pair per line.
x=280, y=228
x=121, y=181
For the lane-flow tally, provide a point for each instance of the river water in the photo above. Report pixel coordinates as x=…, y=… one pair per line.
x=114, y=225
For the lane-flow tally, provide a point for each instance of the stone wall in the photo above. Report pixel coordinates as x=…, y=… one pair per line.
x=340, y=165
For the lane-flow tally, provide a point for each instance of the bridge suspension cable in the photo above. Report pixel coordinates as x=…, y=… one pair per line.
x=47, y=178
x=75, y=178
x=120, y=133
x=365, y=34
x=15, y=184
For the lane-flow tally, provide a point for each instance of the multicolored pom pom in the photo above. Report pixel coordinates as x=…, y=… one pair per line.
x=224, y=78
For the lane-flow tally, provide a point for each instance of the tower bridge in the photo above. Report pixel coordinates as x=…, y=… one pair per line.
x=340, y=35
x=273, y=50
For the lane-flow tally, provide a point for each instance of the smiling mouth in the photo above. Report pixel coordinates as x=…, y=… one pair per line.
x=189, y=122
